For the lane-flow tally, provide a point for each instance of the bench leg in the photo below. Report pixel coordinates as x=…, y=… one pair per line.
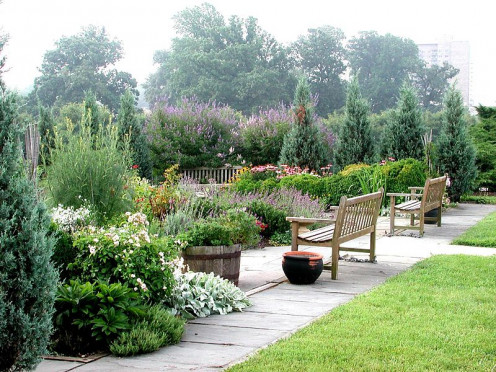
x=391, y=216
x=334, y=262
x=421, y=231
x=295, y=227
x=372, y=246
x=439, y=216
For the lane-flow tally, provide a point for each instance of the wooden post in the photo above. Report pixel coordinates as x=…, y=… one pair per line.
x=295, y=227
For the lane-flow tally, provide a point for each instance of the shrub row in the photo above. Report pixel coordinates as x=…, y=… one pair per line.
x=354, y=180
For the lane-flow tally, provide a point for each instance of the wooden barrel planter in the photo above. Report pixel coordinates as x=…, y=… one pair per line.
x=222, y=260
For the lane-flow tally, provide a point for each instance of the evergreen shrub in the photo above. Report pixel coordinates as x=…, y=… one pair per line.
x=27, y=277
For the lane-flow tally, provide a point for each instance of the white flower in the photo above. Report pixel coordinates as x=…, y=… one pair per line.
x=133, y=276
x=92, y=249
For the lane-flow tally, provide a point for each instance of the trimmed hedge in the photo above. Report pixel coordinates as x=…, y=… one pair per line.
x=353, y=180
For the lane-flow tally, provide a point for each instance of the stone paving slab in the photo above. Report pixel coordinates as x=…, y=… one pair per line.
x=222, y=335
x=187, y=356
x=261, y=321
x=311, y=303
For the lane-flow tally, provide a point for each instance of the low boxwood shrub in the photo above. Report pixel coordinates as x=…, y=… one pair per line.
x=156, y=328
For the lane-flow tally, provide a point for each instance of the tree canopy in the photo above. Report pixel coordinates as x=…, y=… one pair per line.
x=382, y=63
x=320, y=56
x=432, y=83
x=233, y=62
x=81, y=63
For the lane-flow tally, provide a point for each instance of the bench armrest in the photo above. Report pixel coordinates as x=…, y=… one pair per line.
x=402, y=194
x=305, y=220
x=416, y=188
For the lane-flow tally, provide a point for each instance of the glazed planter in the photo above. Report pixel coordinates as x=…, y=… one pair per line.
x=302, y=267
x=222, y=260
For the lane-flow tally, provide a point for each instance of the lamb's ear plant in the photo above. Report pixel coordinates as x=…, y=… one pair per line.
x=200, y=295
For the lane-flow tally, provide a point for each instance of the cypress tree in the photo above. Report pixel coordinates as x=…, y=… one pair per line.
x=92, y=110
x=27, y=277
x=46, y=125
x=303, y=145
x=129, y=124
x=355, y=140
x=456, y=153
x=403, y=134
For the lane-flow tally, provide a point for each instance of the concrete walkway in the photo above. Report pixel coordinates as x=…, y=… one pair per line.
x=279, y=308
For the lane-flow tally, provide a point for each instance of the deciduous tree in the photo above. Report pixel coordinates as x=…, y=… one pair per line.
x=234, y=62
x=320, y=55
x=81, y=63
x=382, y=63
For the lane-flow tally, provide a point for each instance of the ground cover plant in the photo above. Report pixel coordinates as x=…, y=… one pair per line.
x=483, y=234
x=439, y=315
x=478, y=199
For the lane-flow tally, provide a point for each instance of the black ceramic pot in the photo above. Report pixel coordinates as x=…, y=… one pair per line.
x=431, y=213
x=302, y=267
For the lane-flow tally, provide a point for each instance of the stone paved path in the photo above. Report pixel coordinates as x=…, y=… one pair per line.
x=279, y=308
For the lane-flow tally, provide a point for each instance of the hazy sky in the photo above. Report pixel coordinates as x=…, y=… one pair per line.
x=145, y=26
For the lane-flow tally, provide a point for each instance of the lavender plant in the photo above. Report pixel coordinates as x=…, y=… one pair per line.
x=192, y=134
x=262, y=135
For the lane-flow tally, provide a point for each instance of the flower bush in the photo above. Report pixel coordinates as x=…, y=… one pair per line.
x=70, y=219
x=126, y=254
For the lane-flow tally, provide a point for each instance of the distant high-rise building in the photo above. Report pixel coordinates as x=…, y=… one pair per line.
x=457, y=54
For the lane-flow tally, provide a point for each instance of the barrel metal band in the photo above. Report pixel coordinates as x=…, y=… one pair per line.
x=197, y=257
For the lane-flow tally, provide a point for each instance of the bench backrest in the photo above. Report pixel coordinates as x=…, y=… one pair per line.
x=432, y=195
x=357, y=216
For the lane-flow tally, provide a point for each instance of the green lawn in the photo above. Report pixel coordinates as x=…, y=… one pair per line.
x=438, y=316
x=481, y=235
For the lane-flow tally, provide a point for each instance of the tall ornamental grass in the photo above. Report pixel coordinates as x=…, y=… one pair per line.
x=89, y=170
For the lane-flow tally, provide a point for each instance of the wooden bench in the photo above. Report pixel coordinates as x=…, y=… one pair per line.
x=430, y=198
x=355, y=217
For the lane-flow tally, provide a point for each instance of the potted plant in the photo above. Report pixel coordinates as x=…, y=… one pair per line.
x=214, y=244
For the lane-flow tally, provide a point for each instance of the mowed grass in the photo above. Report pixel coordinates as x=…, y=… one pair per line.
x=438, y=316
x=483, y=234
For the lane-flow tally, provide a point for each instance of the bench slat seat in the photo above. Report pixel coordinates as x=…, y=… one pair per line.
x=411, y=205
x=430, y=198
x=319, y=235
x=355, y=217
